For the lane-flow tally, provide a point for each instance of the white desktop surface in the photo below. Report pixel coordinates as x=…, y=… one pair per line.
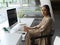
x=11, y=39
x=27, y=21
x=15, y=38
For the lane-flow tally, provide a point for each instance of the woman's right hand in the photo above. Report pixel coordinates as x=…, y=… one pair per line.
x=26, y=28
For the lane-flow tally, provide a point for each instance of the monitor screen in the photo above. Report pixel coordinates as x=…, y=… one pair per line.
x=12, y=16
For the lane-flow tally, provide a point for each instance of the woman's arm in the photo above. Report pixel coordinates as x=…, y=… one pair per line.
x=42, y=28
x=31, y=28
x=45, y=25
x=34, y=27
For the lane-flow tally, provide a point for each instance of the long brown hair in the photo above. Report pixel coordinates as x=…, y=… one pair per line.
x=48, y=9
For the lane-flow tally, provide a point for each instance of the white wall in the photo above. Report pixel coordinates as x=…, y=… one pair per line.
x=47, y=2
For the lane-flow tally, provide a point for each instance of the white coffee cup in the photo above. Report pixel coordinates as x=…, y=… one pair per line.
x=23, y=36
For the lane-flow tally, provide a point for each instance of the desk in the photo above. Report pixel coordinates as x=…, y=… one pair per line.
x=11, y=39
x=27, y=21
x=15, y=38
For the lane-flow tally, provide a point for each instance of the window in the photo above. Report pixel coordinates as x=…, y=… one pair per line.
x=3, y=5
x=29, y=7
x=28, y=2
x=37, y=2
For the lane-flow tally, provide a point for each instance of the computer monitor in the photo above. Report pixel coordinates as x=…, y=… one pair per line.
x=12, y=16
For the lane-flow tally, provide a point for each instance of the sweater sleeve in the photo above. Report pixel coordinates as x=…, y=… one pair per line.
x=44, y=26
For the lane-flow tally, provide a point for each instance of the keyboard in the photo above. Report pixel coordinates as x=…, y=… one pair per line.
x=36, y=21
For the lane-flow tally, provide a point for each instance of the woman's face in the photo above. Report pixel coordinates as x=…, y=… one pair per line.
x=44, y=11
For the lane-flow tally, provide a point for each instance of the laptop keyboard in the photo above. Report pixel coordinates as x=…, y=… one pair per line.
x=36, y=21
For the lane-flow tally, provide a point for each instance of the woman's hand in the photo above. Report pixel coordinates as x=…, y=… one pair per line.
x=26, y=28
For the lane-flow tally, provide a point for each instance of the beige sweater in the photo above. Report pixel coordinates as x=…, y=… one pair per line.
x=45, y=25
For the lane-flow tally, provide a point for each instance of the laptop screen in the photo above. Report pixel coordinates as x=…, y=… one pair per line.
x=12, y=16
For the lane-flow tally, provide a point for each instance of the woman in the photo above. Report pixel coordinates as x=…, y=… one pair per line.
x=44, y=27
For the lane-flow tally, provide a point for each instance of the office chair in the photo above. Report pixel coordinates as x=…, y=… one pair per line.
x=43, y=36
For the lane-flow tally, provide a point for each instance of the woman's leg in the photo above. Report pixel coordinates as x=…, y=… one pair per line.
x=27, y=41
x=42, y=41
